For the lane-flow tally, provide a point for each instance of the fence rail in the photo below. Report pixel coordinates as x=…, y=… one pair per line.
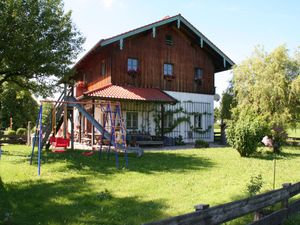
x=229, y=211
x=13, y=139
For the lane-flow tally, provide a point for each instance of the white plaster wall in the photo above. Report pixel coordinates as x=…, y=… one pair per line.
x=184, y=97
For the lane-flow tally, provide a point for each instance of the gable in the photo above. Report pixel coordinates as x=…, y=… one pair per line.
x=221, y=61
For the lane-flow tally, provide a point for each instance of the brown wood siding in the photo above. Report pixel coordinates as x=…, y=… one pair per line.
x=91, y=68
x=152, y=53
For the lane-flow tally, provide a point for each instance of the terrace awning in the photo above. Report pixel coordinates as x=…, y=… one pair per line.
x=127, y=93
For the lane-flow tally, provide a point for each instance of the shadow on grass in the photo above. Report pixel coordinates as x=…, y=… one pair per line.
x=72, y=201
x=269, y=155
x=149, y=163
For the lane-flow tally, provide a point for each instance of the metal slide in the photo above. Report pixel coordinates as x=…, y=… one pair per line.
x=95, y=123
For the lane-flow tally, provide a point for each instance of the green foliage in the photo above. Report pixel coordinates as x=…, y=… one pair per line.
x=201, y=144
x=47, y=111
x=21, y=131
x=245, y=134
x=255, y=185
x=268, y=85
x=18, y=104
x=226, y=105
x=179, y=140
x=10, y=132
x=38, y=43
x=217, y=114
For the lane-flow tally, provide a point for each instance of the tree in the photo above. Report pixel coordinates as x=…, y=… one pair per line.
x=38, y=43
x=216, y=114
x=227, y=104
x=18, y=104
x=267, y=85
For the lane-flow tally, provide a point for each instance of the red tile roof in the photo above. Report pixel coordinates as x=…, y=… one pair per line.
x=115, y=92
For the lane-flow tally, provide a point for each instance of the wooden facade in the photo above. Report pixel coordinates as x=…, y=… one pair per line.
x=151, y=50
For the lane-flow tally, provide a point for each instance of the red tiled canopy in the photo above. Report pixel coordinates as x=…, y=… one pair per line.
x=115, y=92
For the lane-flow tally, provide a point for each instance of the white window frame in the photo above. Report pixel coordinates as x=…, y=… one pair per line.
x=198, y=121
x=168, y=69
x=198, y=73
x=132, y=64
x=130, y=120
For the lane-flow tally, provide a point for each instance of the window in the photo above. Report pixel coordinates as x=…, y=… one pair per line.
x=198, y=121
x=169, y=39
x=132, y=64
x=168, y=69
x=168, y=120
x=132, y=120
x=198, y=73
x=103, y=68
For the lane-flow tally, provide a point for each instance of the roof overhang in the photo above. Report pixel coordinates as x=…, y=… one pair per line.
x=227, y=63
x=128, y=93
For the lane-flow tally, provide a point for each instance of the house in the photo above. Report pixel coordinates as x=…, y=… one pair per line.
x=161, y=73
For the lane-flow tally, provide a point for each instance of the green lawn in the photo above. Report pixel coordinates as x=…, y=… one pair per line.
x=74, y=189
x=294, y=132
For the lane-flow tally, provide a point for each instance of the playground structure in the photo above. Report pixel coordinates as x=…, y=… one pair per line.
x=112, y=131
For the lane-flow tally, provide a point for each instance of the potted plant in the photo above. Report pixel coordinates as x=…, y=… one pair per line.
x=133, y=73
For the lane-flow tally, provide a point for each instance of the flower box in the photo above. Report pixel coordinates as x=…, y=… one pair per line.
x=134, y=73
x=81, y=87
x=169, y=77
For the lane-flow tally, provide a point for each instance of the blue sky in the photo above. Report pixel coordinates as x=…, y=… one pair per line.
x=236, y=27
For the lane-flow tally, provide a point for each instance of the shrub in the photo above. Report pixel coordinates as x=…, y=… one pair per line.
x=201, y=144
x=21, y=131
x=10, y=132
x=179, y=140
x=255, y=184
x=245, y=134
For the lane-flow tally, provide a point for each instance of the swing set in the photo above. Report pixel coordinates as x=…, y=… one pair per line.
x=113, y=132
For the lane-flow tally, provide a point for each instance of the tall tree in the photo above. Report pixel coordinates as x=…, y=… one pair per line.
x=267, y=85
x=18, y=104
x=38, y=43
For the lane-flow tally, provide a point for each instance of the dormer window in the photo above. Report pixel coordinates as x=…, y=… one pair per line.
x=132, y=65
x=168, y=69
x=198, y=73
x=169, y=39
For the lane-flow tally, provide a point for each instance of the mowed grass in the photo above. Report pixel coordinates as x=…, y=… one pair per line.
x=74, y=189
x=294, y=132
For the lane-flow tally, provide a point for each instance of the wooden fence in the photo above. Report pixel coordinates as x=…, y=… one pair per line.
x=293, y=140
x=13, y=139
x=229, y=211
x=217, y=136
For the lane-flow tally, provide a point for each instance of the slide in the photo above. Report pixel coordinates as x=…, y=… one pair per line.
x=98, y=126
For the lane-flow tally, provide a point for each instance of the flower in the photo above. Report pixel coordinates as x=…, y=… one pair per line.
x=81, y=84
x=133, y=72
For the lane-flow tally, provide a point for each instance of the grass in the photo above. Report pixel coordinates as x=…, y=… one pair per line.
x=294, y=132
x=74, y=189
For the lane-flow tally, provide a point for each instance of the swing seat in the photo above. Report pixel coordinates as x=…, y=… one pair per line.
x=59, y=142
x=58, y=151
x=90, y=153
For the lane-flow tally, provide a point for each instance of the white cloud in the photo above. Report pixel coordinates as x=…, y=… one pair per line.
x=107, y=3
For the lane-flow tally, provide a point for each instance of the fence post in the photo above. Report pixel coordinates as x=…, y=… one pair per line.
x=29, y=133
x=285, y=202
x=201, y=207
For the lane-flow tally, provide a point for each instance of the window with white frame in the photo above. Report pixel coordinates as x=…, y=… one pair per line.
x=168, y=120
x=198, y=121
x=132, y=120
x=168, y=69
x=198, y=73
x=132, y=64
